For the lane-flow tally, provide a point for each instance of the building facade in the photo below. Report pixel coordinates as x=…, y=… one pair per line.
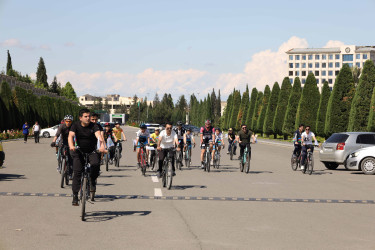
x=325, y=63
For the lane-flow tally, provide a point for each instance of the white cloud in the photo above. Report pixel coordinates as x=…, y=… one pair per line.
x=333, y=44
x=265, y=67
x=15, y=43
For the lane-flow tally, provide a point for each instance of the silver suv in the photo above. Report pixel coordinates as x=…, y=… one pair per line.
x=337, y=148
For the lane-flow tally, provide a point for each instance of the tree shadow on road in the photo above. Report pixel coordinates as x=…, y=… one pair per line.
x=113, y=175
x=105, y=184
x=183, y=187
x=260, y=172
x=11, y=177
x=123, y=169
x=320, y=172
x=100, y=216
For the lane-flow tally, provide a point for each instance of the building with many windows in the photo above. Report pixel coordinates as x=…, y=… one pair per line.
x=325, y=63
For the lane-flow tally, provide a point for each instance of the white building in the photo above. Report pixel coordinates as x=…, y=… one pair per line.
x=325, y=63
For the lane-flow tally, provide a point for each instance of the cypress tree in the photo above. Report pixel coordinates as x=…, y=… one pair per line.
x=9, y=64
x=282, y=105
x=250, y=110
x=68, y=92
x=371, y=118
x=218, y=109
x=257, y=110
x=41, y=74
x=309, y=103
x=340, y=102
x=236, y=107
x=322, y=111
x=290, y=116
x=262, y=115
x=227, y=111
x=241, y=117
x=360, y=109
x=271, y=110
x=54, y=86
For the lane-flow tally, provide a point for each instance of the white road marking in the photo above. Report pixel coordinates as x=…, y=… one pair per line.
x=154, y=178
x=157, y=192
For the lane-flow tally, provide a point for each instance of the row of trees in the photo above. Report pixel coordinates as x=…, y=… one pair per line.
x=41, y=79
x=20, y=105
x=350, y=106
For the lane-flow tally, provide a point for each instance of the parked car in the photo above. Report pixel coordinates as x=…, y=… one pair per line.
x=153, y=125
x=362, y=159
x=48, y=132
x=338, y=147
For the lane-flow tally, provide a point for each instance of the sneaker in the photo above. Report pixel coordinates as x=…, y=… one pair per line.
x=228, y=153
x=138, y=165
x=70, y=177
x=110, y=162
x=302, y=167
x=101, y=162
x=92, y=195
x=75, y=200
x=202, y=165
x=173, y=173
x=234, y=153
x=147, y=165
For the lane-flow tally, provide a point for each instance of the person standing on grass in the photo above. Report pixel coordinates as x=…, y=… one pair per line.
x=25, y=131
x=36, y=129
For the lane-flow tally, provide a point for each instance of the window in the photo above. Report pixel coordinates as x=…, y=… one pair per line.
x=303, y=73
x=337, y=138
x=290, y=73
x=330, y=73
x=290, y=57
x=291, y=80
x=297, y=65
x=316, y=73
x=366, y=139
x=337, y=65
x=317, y=81
x=297, y=73
x=337, y=72
x=303, y=65
x=347, y=58
x=324, y=73
x=330, y=65
x=323, y=80
x=350, y=64
x=337, y=57
x=304, y=57
x=330, y=57
x=358, y=64
x=358, y=56
x=297, y=57
x=310, y=71
x=330, y=88
x=317, y=57
x=303, y=81
x=324, y=57
x=316, y=65
x=324, y=65
x=364, y=56
x=310, y=57
x=291, y=65
x=330, y=81
x=310, y=65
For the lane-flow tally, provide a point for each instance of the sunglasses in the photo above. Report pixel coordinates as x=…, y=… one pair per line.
x=168, y=128
x=68, y=121
x=308, y=129
x=244, y=128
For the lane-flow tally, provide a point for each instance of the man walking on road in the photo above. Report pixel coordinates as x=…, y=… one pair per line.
x=25, y=131
x=36, y=129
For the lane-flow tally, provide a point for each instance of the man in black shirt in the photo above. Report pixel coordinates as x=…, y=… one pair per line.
x=86, y=135
x=231, y=138
x=243, y=138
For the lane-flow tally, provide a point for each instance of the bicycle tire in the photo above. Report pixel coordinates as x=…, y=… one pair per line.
x=164, y=175
x=247, y=169
x=311, y=165
x=106, y=161
x=241, y=165
x=59, y=160
x=169, y=175
x=218, y=161
x=306, y=164
x=83, y=198
x=118, y=157
x=294, y=162
x=231, y=152
x=63, y=172
x=208, y=162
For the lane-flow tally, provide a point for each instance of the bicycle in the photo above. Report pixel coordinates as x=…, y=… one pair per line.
x=179, y=158
x=153, y=158
x=245, y=161
x=187, y=155
x=309, y=166
x=216, y=161
x=59, y=156
x=143, y=155
x=117, y=153
x=295, y=161
x=167, y=170
x=106, y=158
x=64, y=167
x=207, y=158
x=233, y=146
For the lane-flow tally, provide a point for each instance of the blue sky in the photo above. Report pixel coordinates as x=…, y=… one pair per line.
x=171, y=46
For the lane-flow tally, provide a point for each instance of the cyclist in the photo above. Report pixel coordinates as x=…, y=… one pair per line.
x=108, y=134
x=118, y=131
x=180, y=132
x=86, y=135
x=307, y=137
x=207, y=134
x=167, y=141
x=218, y=139
x=231, y=139
x=297, y=139
x=243, y=138
x=188, y=139
x=63, y=131
x=154, y=138
x=143, y=137
x=94, y=119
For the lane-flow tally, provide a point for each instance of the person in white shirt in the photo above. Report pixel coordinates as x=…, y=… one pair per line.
x=167, y=142
x=307, y=138
x=36, y=130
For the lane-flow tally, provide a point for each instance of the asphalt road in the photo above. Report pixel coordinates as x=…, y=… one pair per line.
x=272, y=207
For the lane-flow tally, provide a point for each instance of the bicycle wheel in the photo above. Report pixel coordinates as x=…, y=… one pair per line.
x=294, y=162
x=307, y=162
x=231, y=152
x=310, y=167
x=106, y=161
x=169, y=175
x=241, y=164
x=178, y=160
x=218, y=161
x=208, y=162
x=63, y=172
x=187, y=158
x=118, y=157
x=247, y=164
x=164, y=174
x=83, y=198
x=59, y=156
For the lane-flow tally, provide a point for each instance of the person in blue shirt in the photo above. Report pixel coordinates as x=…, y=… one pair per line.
x=25, y=131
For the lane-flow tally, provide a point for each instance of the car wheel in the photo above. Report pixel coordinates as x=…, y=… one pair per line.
x=331, y=165
x=368, y=165
x=46, y=135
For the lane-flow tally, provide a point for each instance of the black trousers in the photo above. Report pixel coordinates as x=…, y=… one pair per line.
x=36, y=136
x=25, y=137
x=242, y=149
x=162, y=154
x=297, y=149
x=78, y=164
x=231, y=144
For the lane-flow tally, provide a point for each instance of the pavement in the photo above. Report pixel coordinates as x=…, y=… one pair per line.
x=272, y=207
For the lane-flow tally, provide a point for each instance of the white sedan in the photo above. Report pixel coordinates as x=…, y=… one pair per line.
x=48, y=132
x=362, y=159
